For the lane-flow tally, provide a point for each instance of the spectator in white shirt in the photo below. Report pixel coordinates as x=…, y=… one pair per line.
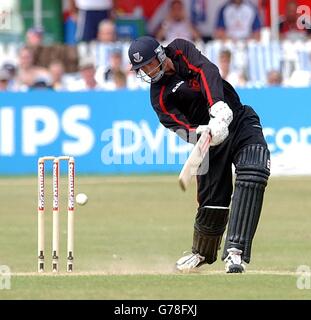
x=238, y=20
x=107, y=76
x=87, y=79
x=27, y=71
x=106, y=43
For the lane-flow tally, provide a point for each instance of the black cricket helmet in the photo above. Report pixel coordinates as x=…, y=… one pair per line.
x=141, y=52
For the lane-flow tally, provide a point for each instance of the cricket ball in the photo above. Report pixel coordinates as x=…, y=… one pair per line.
x=81, y=199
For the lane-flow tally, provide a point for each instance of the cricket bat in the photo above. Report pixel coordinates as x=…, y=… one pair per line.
x=195, y=159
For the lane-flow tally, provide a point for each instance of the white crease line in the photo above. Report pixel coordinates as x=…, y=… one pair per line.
x=121, y=273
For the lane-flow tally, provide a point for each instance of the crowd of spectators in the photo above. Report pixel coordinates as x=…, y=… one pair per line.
x=81, y=67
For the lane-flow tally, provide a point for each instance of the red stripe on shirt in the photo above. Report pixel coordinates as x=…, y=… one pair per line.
x=163, y=108
x=201, y=72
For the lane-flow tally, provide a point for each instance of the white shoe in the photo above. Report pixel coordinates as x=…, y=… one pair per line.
x=189, y=262
x=234, y=263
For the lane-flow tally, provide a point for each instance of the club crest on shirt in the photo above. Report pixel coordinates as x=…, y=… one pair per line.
x=194, y=84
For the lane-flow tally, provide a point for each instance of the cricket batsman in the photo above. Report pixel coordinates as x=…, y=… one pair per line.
x=190, y=97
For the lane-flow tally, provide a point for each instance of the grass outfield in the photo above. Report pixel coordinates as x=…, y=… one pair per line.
x=131, y=232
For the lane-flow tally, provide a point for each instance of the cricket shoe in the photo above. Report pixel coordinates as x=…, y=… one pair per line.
x=234, y=263
x=189, y=262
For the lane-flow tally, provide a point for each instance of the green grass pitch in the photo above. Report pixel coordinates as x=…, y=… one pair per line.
x=132, y=230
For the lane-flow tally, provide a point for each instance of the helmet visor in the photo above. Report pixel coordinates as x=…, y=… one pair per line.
x=152, y=76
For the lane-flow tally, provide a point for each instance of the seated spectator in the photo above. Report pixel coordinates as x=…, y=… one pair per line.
x=57, y=70
x=177, y=25
x=11, y=70
x=106, y=76
x=274, y=78
x=236, y=79
x=27, y=71
x=4, y=80
x=106, y=43
x=288, y=26
x=87, y=80
x=90, y=13
x=106, y=32
x=238, y=20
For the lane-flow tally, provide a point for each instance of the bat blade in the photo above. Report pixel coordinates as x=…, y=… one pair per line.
x=195, y=159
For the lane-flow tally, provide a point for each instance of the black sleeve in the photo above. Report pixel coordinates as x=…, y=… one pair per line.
x=173, y=119
x=182, y=129
x=207, y=73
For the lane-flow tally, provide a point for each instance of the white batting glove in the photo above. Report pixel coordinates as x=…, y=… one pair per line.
x=221, y=116
x=219, y=131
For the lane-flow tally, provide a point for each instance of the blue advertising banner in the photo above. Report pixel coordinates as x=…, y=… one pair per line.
x=118, y=132
x=286, y=118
